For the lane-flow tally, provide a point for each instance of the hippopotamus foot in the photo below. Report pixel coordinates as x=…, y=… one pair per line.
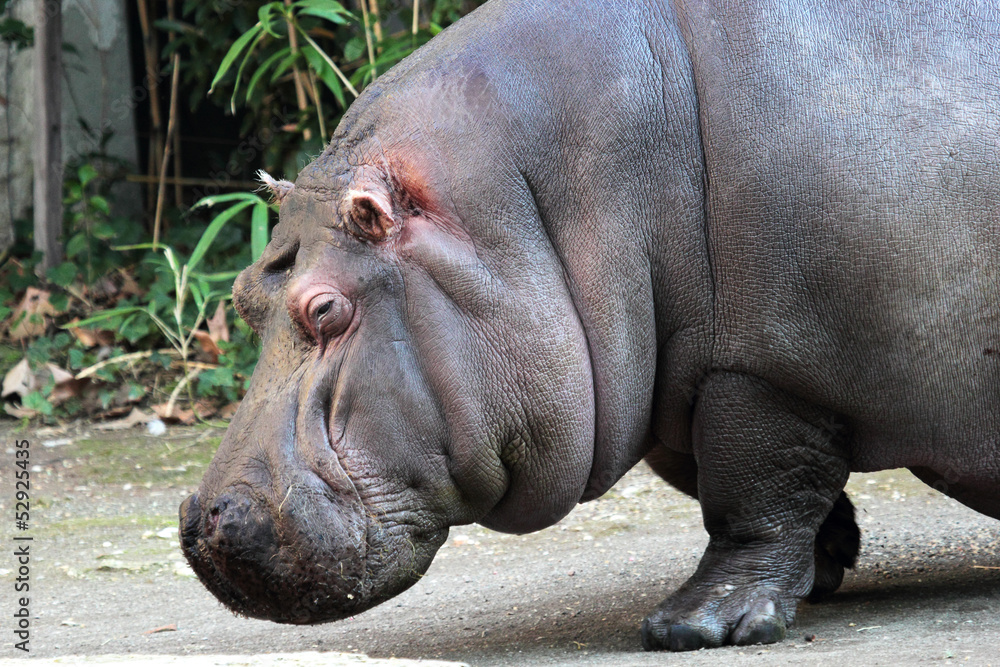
x=717, y=606
x=837, y=545
x=771, y=471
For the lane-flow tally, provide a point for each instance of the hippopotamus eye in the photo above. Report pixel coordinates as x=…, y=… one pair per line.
x=329, y=315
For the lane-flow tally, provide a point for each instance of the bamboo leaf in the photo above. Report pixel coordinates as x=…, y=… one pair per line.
x=221, y=199
x=264, y=66
x=212, y=231
x=239, y=72
x=234, y=52
x=325, y=74
x=102, y=316
x=325, y=9
x=196, y=292
x=216, y=277
x=138, y=246
x=328, y=60
x=265, y=14
x=258, y=230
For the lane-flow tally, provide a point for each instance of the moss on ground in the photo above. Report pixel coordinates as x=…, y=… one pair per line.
x=142, y=460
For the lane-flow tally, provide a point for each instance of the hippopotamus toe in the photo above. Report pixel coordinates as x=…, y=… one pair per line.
x=692, y=619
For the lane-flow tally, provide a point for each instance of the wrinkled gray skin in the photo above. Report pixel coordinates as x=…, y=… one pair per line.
x=754, y=243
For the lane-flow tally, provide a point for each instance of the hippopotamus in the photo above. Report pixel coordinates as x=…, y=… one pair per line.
x=753, y=242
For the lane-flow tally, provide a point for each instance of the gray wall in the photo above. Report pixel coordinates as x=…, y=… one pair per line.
x=97, y=86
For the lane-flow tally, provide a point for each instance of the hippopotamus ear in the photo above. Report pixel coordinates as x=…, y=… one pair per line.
x=368, y=214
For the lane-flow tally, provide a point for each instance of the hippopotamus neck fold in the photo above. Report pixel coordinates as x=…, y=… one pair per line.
x=637, y=267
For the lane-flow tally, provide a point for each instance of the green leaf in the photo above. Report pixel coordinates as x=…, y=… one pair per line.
x=326, y=75
x=329, y=61
x=216, y=277
x=163, y=359
x=35, y=401
x=266, y=16
x=101, y=204
x=138, y=246
x=104, y=231
x=86, y=174
x=234, y=52
x=258, y=230
x=76, y=244
x=198, y=295
x=168, y=25
x=62, y=275
x=354, y=48
x=135, y=328
x=283, y=66
x=333, y=17
x=104, y=315
x=239, y=72
x=221, y=199
x=325, y=9
x=264, y=66
x=76, y=358
x=212, y=231
x=59, y=301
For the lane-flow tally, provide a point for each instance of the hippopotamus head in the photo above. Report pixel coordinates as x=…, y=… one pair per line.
x=423, y=365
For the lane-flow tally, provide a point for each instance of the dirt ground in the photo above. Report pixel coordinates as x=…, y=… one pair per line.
x=107, y=576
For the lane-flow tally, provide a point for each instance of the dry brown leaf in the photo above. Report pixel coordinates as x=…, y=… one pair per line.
x=58, y=374
x=163, y=628
x=134, y=418
x=208, y=346
x=71, y=388
x=129, y=285
x=18, y=412
x=228, y=411
x=163, y=410
x=217, y=327
x=186, y=417
x=204, y=409
x=19, y=380
x=102, y=290
x=30, y=318
x=112, y=412
x=92, y=337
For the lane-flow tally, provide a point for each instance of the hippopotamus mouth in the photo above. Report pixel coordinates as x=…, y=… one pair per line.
x=311, y=553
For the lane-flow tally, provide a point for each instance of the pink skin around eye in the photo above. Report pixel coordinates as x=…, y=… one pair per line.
x=322, y=310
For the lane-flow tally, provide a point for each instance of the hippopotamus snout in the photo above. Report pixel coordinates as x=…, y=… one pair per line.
x=261, y=555
x=224, y=527
x=231, y=542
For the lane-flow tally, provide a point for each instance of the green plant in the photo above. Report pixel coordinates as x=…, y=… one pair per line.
x=90, y=226
x=16, y=32
x=236, y=363
x=191, y=286
x=284, y=62
x=285, y=23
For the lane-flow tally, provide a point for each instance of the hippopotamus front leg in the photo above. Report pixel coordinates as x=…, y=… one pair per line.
x=770, y=469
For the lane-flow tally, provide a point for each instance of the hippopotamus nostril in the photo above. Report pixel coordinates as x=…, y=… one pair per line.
x=227, y=518
x=218, y=507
